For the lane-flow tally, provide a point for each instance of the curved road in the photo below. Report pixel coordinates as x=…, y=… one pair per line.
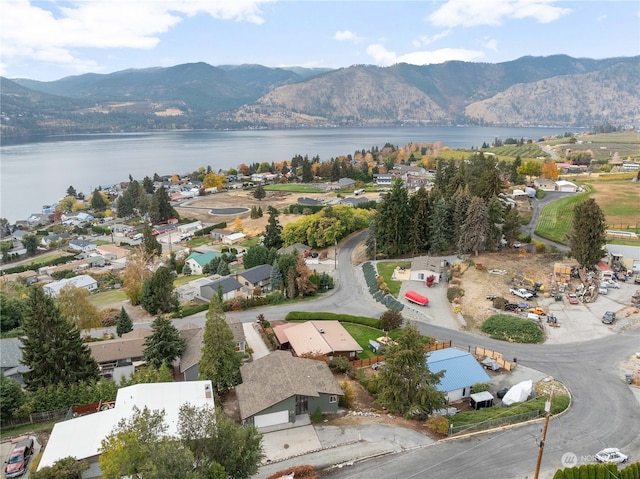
x=604, y=412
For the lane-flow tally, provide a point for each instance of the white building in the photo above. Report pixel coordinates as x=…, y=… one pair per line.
x=81, y=437
x=81, y=281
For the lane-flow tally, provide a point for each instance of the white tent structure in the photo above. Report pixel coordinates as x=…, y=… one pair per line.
x=518, y=393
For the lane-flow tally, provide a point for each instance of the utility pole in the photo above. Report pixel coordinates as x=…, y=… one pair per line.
x=547, y=408
x=335, y=254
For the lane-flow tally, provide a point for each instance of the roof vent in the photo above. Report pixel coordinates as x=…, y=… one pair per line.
x=321, y=330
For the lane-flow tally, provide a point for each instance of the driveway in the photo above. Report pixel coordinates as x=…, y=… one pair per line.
x=6, y=446
x=254, y=340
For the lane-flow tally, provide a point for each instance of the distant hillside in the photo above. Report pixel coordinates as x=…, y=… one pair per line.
x=556, y=90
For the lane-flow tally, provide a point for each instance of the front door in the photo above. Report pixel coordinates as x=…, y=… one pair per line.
x=301, y=405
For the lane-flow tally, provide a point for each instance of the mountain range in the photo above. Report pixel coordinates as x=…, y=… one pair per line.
x=553, y=91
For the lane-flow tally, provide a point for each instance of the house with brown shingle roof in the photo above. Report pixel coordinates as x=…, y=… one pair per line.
x=117, y=358
x=279, y=389
x=327, y=338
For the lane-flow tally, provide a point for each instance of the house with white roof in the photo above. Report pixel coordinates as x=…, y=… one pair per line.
x=87, y=432
x=233, y=238
x=81, y=281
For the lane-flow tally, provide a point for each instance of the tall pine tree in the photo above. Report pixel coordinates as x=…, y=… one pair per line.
x=219, y=363
x=52, y=347
x=587, y=236
x=164, y=344
x=393, y=221
x=123, y=323
x=273, y=230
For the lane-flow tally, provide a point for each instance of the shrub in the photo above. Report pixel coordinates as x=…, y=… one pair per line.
x=339, y=364
x=316, y=416
x=499, y=303
x=512, y=329
x=299, y=472
x=109, y=317
x=480, y=387
x=349, y=396
x=324, y=316
x=391, y=319
x=453, y=293
x=438, y=424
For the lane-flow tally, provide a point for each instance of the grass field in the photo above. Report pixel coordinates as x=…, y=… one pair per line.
x=294, y=188
x=386, y=269
x=618, y=200
x=26, y=428
x=362, y=335
x=181, y=280
x=107, y=297
x=195, y=242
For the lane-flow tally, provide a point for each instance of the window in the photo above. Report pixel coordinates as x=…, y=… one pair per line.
x=420, y=276
x=333, y=399
x=352, y=354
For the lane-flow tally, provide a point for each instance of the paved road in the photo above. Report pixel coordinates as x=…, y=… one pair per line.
x=537, y=208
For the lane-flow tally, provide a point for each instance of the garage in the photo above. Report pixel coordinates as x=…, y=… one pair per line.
x=566, y=186
x=272, y=419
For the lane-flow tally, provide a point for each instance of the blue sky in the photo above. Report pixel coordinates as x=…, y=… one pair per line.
x=48, y=40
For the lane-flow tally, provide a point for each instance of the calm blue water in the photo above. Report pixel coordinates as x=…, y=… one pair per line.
x=34, y=174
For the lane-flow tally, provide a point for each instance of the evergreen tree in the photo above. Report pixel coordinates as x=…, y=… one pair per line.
x=335, y=170
x=147, y=185
x=440, y=225
x=511, y=225
x=393, y=221
x=223, y=269
x=307, y=175
x=219, y=363
x=406, y=385
x=273, y=230
x=125, y=205
x=52, y=347
x=158, y=295
x=71, y=191
x=123, y=323
x=30, y=243
x=276, y=276
x=164, y=344
x=460, y=202
x=186, y=269
x=97, y=201
x=475, y=229
x=496, y=219
x=259, y=193
x=150, y=243
x=587, y=236
x=11, y=397
x=420, y=220
x=160, y=209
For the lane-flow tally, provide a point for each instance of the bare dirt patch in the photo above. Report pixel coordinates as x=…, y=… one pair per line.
x=480, y=283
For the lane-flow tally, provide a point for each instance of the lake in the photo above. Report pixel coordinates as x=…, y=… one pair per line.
x=35, y=174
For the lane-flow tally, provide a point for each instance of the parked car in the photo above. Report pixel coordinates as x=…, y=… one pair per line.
x=610, y=284
x=609, y=317
x=19, y=458
x=538, y=310
x=517, y=244
x=511, y=307
x=523, y=293
x=612, y=455
x=573, y=298
x=636, y=280
x=602, y=290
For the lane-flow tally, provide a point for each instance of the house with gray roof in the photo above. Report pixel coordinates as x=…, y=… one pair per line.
x=423, y=267
x=299, y=247
x=229, y=285
x=256, y=277
x=82, y=245
x=346, y=183
x=11, y=359
x=279, y=389
x=118, y=357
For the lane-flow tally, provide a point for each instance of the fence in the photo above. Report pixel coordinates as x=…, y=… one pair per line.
x=491, y=423
x=506, y=365
x=432, y=346
x=36, y=417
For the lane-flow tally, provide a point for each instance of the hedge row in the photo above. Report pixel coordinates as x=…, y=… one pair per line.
x=52, y=262
x=371, y=277
x=513, y=329
x=344, y=318
x=209, y=229
x=599, y=471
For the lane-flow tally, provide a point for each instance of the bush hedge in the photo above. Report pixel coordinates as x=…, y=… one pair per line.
x=453, y=293
x=513, y=329
x=599, y=471
x=52, y=262
x=324, y=316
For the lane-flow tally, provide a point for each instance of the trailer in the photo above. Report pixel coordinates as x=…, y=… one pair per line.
x=416, y=298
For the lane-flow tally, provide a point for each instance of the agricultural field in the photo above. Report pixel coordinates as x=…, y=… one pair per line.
x=526, y=151
x=603, y=146
x=619, y=201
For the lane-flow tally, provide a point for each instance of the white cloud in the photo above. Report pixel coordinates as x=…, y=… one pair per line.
x=491, y=44
x=470, y=13
x=345, y=35
x=423, y=40
x=384, y=57
x=56, y=38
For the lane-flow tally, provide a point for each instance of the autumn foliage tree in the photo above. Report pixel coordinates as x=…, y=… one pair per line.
x=136, y=272
x=550, y=170
x=74, y=305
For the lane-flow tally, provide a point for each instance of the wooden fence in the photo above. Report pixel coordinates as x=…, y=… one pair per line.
x=36, y=417
x=506, y=365
x=367, y=362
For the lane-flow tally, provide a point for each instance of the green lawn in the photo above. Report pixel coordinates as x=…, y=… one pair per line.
x=250, y=242
x=386, y=269
x=27, y=428
x=199, y=241
x=107, y=297
x=293, y=187
x=555, y=218
x=362, y=334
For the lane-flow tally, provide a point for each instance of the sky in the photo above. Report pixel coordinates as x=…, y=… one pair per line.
x=48, y=40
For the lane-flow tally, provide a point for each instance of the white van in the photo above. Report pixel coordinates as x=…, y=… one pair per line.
x=358, y=192
x=137, y=237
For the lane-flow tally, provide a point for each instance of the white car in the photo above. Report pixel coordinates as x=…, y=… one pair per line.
x=523, y=293
x=612, y=455
x=610, y=284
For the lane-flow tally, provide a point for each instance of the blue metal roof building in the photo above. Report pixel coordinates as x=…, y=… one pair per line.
x=461, y=372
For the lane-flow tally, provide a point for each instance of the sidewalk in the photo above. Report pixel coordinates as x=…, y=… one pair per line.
x=342, y=445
